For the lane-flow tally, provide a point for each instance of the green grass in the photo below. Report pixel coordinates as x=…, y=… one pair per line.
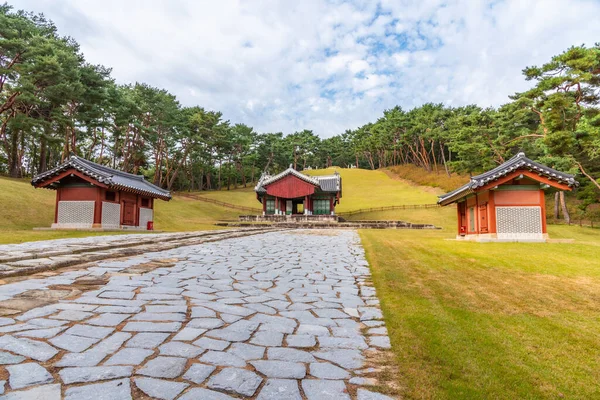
x=363, y=188
x=241, y=196
x=490, y=320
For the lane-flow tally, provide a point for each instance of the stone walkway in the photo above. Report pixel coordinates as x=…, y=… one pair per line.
x=281, y=315
x=33, y=257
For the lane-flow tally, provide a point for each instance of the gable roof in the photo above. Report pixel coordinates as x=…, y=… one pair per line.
x=326, y=183
x=518, y=162
x=112, y=178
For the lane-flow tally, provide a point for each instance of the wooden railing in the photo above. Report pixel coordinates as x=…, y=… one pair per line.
x=387, y=208
x=221, y=203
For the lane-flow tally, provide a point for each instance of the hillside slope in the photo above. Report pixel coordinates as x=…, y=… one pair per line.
x=361, y=189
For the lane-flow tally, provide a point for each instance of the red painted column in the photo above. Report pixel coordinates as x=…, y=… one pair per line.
x=476, y=213
x=98, y=209
x=459, y=217
x=330, y=205
x=56, y=207
x=543, y=208
x=492, y=213
x=264, y=201
x=305, y=205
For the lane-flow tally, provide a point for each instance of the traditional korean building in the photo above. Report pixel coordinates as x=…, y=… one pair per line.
x=291, y=193
x=90, y=195
x=508, y=202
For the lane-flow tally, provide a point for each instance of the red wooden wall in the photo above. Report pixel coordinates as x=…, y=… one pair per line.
x=290, y=187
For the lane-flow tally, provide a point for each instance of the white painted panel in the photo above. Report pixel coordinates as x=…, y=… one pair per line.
x=75, y=214
x=514, y=223
x=145, y=216
x=111, y=215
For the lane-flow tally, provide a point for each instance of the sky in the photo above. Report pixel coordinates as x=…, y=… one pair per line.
x=328, y=66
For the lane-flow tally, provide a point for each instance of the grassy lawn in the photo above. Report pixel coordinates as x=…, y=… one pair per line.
x=241, y=196
x=493, y=320
x=363, y=188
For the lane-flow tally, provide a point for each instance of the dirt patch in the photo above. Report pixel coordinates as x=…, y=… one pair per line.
x=147, y=267
x=380, y=368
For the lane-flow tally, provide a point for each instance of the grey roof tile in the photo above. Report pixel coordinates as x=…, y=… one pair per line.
x=113, y=178
x=518, y=162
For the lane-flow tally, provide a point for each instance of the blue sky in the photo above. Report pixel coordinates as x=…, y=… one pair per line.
x=328, y=66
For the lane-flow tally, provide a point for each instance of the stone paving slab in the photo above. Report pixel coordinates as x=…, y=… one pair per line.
x=34, y=257
x=277, y=316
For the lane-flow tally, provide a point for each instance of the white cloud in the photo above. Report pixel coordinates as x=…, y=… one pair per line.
x=327, y=66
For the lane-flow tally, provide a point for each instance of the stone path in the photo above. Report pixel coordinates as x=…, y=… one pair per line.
x=282, y=315
x=33, y=257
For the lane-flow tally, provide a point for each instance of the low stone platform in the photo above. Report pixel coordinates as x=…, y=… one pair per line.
x=317, y=219
x=331, y=225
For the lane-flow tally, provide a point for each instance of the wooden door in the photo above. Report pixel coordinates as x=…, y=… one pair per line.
x=128, y=213
x=483, y=223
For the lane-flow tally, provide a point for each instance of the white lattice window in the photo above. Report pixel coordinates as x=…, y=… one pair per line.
x=145, y=216
x=111, y=215
x=519, y=222
x=75, y=214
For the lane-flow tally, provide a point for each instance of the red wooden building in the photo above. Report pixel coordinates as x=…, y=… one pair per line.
x=90, y=195
x=291, y=193
x=508, y=202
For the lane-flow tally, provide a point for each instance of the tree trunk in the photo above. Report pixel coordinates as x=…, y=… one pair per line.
x=13, y=160
x=219, y=186
x=563, y=205
x=43, y=166
x=556, y=205
x=434, y=159
x=444, y=159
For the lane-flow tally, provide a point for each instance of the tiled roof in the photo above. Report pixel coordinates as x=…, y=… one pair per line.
x=326, y=183
x=112, y=178
x=520, y=161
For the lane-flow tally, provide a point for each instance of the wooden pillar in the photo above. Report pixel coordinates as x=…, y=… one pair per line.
x=330, y=205
x=264, y=205
x=98, y=209
x=56, y=206
x=459, y=215
x=476, y=213
x=492, y=213
x=543, y=209
x=305, y=205
x=138, y=204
